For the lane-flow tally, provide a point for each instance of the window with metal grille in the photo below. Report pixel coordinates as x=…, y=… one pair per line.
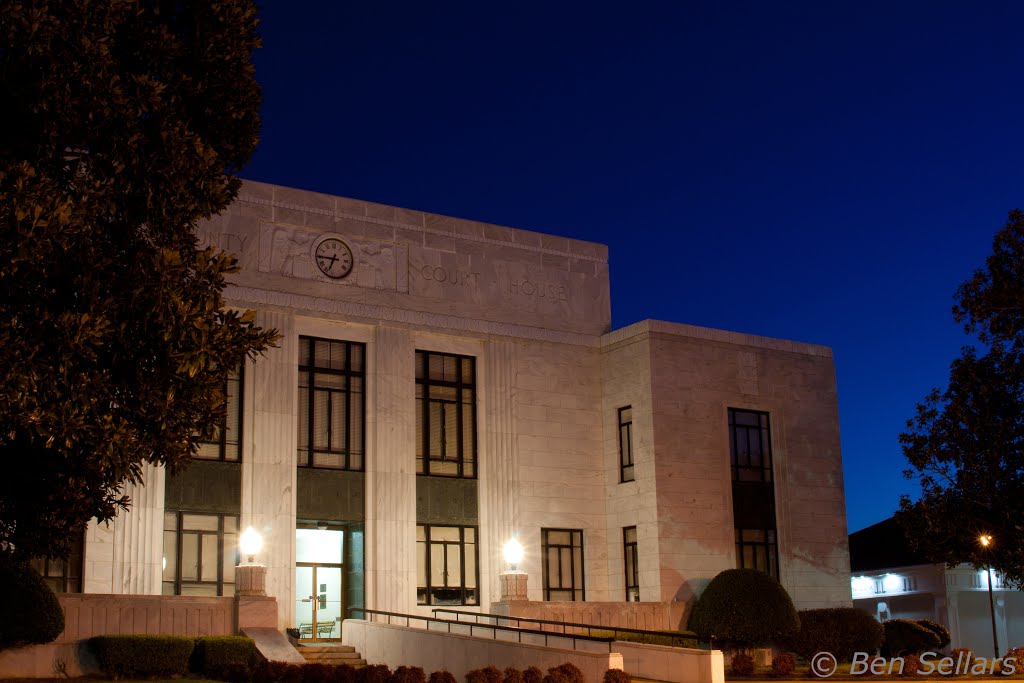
x=446, y=562
x=626, y=444
x=445, y=415
x=332, y=403
x=200, y=553
x=630, y=553
x=562, y=557
x=226, y=441
x=750, y=445
x=63, y=576
x=757, y=549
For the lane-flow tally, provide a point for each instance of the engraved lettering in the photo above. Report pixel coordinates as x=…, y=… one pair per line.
x=541, y=290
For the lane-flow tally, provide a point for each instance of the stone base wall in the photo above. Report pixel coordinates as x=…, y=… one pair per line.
x=648, y=616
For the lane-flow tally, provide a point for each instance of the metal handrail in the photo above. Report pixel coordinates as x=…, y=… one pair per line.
x=590, y=628
x=494, y=627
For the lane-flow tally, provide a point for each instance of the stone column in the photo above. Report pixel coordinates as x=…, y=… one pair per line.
x=390, y=572
x=499, y=477
x=268, y=469
x=138, y=537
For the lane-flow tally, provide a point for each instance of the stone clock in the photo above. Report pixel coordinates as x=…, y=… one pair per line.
x=333, y=257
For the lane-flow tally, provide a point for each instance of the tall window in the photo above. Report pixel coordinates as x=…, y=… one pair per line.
x=332, y=403
x=753, y=491
x=226, y=442
x=445, y=415
x=446, y=561
x=200, y=554
x=562, y=552
x=757, y=549
x=63, y=576
x=629, y=548
x=626, y=444
x=750, y=445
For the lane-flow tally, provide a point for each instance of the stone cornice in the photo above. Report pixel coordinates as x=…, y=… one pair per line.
x=251, y=199
x=254, y=297
x=711, y=334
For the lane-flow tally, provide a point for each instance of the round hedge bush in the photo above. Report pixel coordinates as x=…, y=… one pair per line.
x=908, y=637
x=842, y=631
x=32, y=614
x=745, y=608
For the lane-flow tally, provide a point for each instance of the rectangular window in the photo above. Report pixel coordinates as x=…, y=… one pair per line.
x=630, y=553
x=626, y=444
x=226, y=441
x=445, y=415
x=63, y=576
x=757, y=549
x=446, y=562
x=562, y=557
x=750, y=445
x=200, y=553
x=332, y=404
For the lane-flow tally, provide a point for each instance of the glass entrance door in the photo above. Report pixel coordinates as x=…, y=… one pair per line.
x=319, y=584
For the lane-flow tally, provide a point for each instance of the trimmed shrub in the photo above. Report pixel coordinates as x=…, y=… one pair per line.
x=533, y=675
x=783, y=664
x=617, y=676
x=213, y=654
x=236, y=672
x=373, y=673
x=32, y=614
x=409, y=674
x=344, y=673
x=570, y=672
x=1010, y=668
x=907, y=637
x=742, y=664
x=268, y=672
x=513, y=675
x=317, y=672
x=938, y=629
x=476, y=676
x=911, y=665
x=492, y=674
x=746, y=608
x=142, y=655
x=963, y=657
x=291, y=673
x=443, y=676
x=839, y=630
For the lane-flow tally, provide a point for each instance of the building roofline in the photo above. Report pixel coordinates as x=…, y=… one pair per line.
x=713, y=334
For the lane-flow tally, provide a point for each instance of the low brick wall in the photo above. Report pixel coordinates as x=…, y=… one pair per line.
x=88, y=615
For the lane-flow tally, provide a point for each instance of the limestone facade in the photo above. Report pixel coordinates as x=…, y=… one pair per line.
x=533, y=311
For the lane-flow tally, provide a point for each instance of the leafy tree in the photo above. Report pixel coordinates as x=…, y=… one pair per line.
x=965, y=445
x=125, y=121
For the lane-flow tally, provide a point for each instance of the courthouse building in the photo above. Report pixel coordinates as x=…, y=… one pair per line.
x=442, y=386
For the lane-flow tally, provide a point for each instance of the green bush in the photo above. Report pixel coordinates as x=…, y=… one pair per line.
x=668, y=638
x=533, y=675
x=839, y=630
x=444, y=676
x=783, y=664
x=214, y=654
x=742, y=664
x=409, y=674
x=513, y=675
x=476, y=676
x=911, y=665
x=142, y=655
x=569, y=672
x=617, y=676
x=493, y=674
x=938, y=629
x=317, y=672
x=346, y=673
x=32, y=614
x=907, y=637
x=236, y=672
x=744, y=608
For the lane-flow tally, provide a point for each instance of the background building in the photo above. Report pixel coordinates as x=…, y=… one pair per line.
x=442, y=386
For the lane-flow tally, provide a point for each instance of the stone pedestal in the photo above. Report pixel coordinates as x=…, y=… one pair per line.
x=251, y=580
x=256, y=612
x=513, y=586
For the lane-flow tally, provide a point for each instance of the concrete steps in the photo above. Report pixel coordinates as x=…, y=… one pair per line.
x=331, y=654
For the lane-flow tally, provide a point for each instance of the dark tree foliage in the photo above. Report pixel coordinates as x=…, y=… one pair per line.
x=965, y=445
x=744, y=608
x=124, y=123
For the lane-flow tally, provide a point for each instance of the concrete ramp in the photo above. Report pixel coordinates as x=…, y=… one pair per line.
x=273, y=645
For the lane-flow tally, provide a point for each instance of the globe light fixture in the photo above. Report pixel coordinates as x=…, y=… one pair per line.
x=250, y=542
x=513, y=552
x=986, y=542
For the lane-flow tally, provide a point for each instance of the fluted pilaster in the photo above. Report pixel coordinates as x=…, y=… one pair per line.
x=138, y=537
x=498, y=474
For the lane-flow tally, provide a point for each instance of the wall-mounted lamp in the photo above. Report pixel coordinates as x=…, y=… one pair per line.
x=513, y=552
x=250, y=543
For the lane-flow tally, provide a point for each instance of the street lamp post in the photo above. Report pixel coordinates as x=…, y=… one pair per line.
x=986, y=542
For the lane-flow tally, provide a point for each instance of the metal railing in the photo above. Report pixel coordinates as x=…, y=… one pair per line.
x=494, y=628
x=583, y=629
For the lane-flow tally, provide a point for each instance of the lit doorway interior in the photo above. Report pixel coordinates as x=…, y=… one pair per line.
x=319, y=583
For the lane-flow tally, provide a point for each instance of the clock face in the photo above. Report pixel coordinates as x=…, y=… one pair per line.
x=333, y=258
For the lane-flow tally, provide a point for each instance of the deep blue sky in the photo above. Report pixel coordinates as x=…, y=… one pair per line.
x=821, y=171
